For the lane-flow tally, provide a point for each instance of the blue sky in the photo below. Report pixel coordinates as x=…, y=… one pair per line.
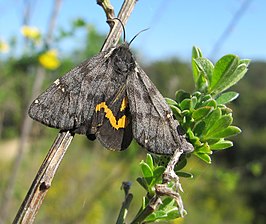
x=175, y=25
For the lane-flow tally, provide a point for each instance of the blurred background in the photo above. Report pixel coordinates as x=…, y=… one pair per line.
x=42, y=40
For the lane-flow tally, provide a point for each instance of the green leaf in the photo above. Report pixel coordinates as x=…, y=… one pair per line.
x=205, y=157
x=227, y=72
x=201, y=112
x=177, y=112
x=197, y=94
x=181, y=164
x=219, y=126
x=151, y=218
x=185, y=104
x=146, y=170
x=170, y=101
x=199, y=128
x=143, y=183
x=205, y=148
x=206, y=67
x=224, y=68
x=200, y=78
x=157, y=175
x=212, y=118
x=184, y=174
x=173, y=214
x=186, y=113
x=226, y=133
x=222, y=144
x=202, y=83
x=156, y=216
x=167, y=203
x=245, y=61
x=211, y=103
x=196, y=53
x=194, y=102
x=225, y=109
x=227, y=97
x=158, y=171
x=206, y=98
x=193, y=139
x=180, y=95
x=149, y=161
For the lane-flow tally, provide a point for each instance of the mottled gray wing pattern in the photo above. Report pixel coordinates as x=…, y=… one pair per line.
x=153, y=124
x=69, y=103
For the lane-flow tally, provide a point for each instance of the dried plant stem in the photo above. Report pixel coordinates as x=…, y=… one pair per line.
x=44, y=177
x=126, y=203
x=115, y=32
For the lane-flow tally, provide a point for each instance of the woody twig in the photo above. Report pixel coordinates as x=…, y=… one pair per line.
x=42, y=182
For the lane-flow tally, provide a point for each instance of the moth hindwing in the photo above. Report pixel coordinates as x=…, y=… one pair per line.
x=109, y=97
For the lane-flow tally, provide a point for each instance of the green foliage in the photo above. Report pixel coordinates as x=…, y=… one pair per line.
x=214, y=79
x=203, y=114
x=206, y=120
x=152, y=170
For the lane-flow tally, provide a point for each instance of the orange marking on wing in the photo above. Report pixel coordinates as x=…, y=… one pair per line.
x=121, y=122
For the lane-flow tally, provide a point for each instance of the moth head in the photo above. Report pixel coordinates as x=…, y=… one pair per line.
x=123, y=60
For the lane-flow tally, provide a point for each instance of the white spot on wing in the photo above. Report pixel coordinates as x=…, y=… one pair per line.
x=136, y=70
x=36, y=101
x=57, y=82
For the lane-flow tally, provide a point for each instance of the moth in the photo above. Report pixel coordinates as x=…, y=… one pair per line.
x=109, y=97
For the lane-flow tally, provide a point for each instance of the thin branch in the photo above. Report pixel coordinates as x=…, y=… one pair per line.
x=115, y=32
x=52, y=22
x=126, y=203
x=26, y=127
x=108, y=9
x=149, y=209
x=45, y=175
x=43, y=179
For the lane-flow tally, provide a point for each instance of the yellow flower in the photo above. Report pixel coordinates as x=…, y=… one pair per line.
x=4, y=48
x=49, y=60
x=31, y=33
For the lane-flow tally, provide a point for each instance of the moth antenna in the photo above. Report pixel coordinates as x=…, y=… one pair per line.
x=124, y=31
x=136, y=36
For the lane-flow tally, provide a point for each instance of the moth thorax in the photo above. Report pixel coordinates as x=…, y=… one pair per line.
x=123, y=60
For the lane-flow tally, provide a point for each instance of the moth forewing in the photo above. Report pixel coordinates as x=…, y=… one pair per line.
x=110, y=97
x=153, y=124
